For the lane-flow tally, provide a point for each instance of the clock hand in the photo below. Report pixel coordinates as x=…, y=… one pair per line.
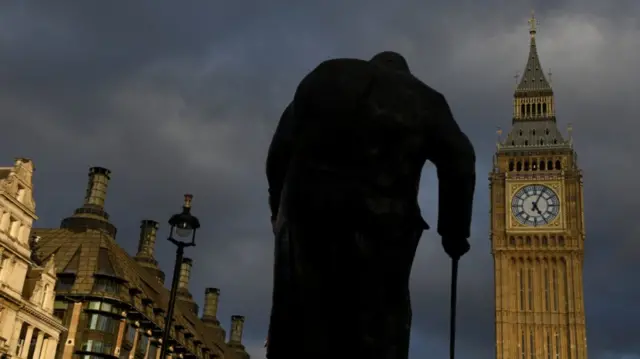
x=540, y=213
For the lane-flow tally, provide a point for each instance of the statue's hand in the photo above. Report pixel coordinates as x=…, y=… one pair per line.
x=455, y=247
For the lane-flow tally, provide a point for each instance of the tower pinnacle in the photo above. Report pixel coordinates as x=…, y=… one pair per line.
x=533, y=23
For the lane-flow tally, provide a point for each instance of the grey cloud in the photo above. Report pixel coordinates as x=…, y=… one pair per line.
x=179, y=98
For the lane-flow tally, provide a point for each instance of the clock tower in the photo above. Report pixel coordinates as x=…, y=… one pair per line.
x=537, y=228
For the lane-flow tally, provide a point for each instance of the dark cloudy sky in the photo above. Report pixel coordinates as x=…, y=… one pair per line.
x=183, y=96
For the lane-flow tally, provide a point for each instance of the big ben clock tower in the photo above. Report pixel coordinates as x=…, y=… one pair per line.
x=537, y=229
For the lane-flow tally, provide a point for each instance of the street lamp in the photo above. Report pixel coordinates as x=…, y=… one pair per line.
x=182, y=234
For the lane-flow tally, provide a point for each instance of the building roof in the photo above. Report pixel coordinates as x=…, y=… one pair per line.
x=86, y=250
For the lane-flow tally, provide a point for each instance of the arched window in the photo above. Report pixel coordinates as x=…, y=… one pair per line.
x=542, y=164
x=511, y=165
x=519, y=166
x=522, y=109
x=512, y=241
x=533, y=132
x=526, y=142
x=539, y=108
x=528, y=239
x=534, y=165
x=526, y=165
x=561, y=241
x=544, y=108
x=544, y=240
x=541, y=141
x=558, y=166
x=549, y=165
x=528, y=109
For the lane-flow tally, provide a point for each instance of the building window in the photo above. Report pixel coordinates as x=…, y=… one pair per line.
x=95, y=346
x=549, y=346
x=65, y=282
x=546, y=289
x=60, y=309
x=530, y=288
x=131, y=333
x=21, y=193
x=104, y=307
x=124, y=353
x=557, y=346
x=554, y=278
x=523, y=349
x=521, y=279
x=102, y=323
x=106, y=285
x=14, y=227
x=532, y=346
x=142, y=345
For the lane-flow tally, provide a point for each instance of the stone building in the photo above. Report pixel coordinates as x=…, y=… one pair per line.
x=28, y=328
x=114, y=304
x=537, y=228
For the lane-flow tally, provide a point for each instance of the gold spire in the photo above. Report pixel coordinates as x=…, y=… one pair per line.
x=533, y=24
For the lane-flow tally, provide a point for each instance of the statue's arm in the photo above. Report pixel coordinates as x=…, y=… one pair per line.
x=278, y=159
x=455, y=160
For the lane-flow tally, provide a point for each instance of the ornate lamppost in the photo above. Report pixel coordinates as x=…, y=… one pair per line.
x=182, y=234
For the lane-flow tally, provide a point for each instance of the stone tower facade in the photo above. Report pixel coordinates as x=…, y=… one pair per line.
x=537, y=229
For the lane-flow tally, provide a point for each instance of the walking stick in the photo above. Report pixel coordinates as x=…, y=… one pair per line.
x=452, y=324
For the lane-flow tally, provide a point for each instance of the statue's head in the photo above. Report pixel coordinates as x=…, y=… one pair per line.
x=392, y=60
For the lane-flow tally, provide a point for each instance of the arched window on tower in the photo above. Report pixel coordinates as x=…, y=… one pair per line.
x=512, y=241
x=534, y=165
x=526, y=165
x=541, y=142
x=544, y=241
x=533, y=109
x=539, y=108
x=526, y=142
x=533, y=132
x=561, y=241
x=522, y=110
x=558, y=166
x=542, y=164
x=544, y=109
x=511, y=165
x=549, y=165
x=528, y=109
x=519, y=166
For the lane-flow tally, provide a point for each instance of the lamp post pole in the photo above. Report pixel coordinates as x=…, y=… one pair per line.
x=183, y=225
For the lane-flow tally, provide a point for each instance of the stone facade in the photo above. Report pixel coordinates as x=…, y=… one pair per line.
x=28, y=327
x=114, y=304
x=537, y=229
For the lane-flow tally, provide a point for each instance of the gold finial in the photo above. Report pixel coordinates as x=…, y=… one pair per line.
x=187, y=200
x=533, y=24
x=499, y=132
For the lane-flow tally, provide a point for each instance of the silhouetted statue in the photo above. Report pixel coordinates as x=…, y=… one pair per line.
x=344, y=171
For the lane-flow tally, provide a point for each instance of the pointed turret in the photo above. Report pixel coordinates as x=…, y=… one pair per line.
x=534, y=118
x=533, y=80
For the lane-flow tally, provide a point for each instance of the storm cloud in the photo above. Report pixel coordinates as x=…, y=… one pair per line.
x=183, y=96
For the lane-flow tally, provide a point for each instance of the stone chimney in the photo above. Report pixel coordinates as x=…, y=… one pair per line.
x=237, y=326
x=92, y=216
x=210, y=311
x=146, y=248
x=183, y=294
x=97, y=187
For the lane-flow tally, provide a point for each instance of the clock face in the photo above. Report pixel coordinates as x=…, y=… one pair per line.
x=535, y=205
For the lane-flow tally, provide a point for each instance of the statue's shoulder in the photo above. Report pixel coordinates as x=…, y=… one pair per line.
x=341, y=64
